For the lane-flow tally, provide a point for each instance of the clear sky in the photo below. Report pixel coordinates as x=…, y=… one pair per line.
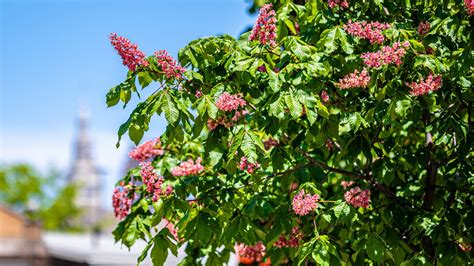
x=55, y=56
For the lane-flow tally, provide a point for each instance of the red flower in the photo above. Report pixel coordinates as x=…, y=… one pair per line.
x=131, y=55
x=264, y=29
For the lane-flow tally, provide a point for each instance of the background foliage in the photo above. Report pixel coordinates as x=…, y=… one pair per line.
x=39, y=198
x=413, y=153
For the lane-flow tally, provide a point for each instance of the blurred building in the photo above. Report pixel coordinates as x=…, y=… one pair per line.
x=20, y=241
x=86, y=176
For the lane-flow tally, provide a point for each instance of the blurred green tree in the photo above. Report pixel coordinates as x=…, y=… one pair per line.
x=39, y=198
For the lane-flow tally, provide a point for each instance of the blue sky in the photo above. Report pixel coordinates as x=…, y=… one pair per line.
x=55, y=56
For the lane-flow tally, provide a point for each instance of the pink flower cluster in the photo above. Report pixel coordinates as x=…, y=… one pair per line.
x=147, y=150
x=255, y=252
x=324, y=96
x=354, y=80
x=168, y=65
x=131, y=55
x=340, y=3
x=469, y=6
x=431, y=83
x=152, y=182
x=245, y=165
x=424, y=27
x=264, y=29
x=228, y=102
x=387, y=55
x=347, y=184
x=225, y=121
x=188, y=167
x=304, y=203
x=122, y=199
x=173, y=230
x=291, y=241
x=371, y=31
x=269, y=143
x=358, y=197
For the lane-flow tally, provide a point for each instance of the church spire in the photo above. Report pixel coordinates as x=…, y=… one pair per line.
x=84, y=174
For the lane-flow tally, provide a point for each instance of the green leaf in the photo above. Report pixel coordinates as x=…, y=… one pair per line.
x=113, y=96
x=293, y=105
x=144, y=253
x=328, y=40
x=135, y=133
x=341, y=208
x=274, y=81
x=290, y=26
x=144, y=79
x=170, y=110
x=375, y=248
x=401, y=107
x=159, y=253
x=277, y=108
x=322, y=110
x=211, y=108
x=248, y=148
x=342, y=38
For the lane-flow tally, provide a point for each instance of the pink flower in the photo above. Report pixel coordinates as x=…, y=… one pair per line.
x=264, y=29
x=168, y=65
x=169, y=190
x=371, y=31
x=469, y=6
x=347, y=184
x=269, y=143
x=304, y=203
x=357, y=197
x=387, y=55
x=228, y=102
x=293, y=240
x=172, y=228
x=255, y=252
x=341, y=3
x=465, y=246
x=431, y=83
x=131, y=55
x=354, y=80
x=324, y=96
x=152, y=182
x=122, y=199
x=245, y=165
x=221, y=121
x=424, y=27
x=147, y=150
x=329, y=144
x=198, y=94
x=188, y=167
x=262, y=68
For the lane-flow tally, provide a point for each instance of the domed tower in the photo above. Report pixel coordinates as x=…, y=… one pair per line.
x=86, y=176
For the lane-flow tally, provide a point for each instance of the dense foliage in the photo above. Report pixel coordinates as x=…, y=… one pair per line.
x=335, y=132
x=40, y=198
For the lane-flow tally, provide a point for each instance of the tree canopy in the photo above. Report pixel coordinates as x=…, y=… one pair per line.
x=335, y=132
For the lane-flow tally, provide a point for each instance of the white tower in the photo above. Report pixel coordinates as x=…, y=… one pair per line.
x=86, y=176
